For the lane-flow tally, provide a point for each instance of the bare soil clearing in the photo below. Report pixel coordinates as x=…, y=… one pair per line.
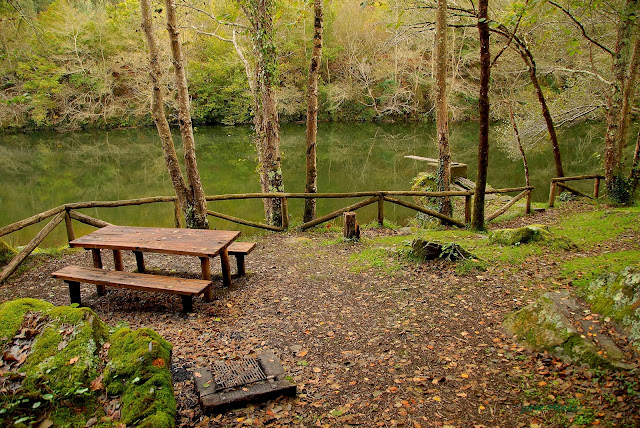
x=423, y=346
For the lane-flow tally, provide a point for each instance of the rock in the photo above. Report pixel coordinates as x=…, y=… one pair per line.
x=71, y=351
x=617, y=295
x=548, y=325
x=6, y=251
x=528, y=234
x=428, y=250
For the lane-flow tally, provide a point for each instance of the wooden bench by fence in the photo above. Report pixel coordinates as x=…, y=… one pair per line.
x=241, y=249
x=186, y=288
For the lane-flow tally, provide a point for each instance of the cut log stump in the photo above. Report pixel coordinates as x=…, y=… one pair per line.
x=351, y=228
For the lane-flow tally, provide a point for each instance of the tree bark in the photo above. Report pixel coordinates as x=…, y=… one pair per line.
x=196, y=212
x=311, y=185
x=442, y=119
x=267, y=128
x=483, y=109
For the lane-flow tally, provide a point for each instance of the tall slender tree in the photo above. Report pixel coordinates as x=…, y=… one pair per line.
x=442, y=112
x=190, y=196
x=311, y=185
x=483, y=109
x=260, y=13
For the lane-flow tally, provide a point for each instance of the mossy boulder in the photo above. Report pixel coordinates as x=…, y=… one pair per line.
x=6, y=251
x=617, y=295
x=62, y=366
x=528, y=234
x=548, y=325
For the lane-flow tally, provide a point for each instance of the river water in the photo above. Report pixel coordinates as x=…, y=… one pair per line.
x=42, y=170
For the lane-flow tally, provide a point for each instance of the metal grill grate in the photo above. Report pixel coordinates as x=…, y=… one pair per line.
x=230, y=374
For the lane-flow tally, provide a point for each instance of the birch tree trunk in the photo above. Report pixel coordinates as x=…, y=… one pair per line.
x=311, y=185
x=196, y=213
x=442, y=119
x=483, y=108
x=184, y=194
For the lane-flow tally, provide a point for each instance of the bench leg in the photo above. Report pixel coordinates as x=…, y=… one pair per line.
x=139, y=261
x=240, y=263
x=226, y=269
x=117, y=260
x=97, y=263
x=74, y=291
x=187, y=303
x=205, y=262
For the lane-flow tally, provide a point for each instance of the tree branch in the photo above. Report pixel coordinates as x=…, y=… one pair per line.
x=581, y=28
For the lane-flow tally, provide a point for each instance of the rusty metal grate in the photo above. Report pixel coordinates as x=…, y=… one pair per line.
x=234, y=373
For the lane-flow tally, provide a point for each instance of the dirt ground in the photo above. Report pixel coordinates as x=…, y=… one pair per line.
x=421, y=347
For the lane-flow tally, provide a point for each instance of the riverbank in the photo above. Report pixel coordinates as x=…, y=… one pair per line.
x=374, y=338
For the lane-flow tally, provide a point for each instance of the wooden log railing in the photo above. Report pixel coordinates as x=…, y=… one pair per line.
x=559, y=182
x=68, y=212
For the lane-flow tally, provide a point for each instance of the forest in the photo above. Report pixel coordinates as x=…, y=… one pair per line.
x=67, y=65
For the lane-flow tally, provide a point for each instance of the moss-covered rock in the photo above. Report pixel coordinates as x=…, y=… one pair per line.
x=528, y=234
x=57, y=361
x=617, y=295
x=547, y=325
x=6, y=252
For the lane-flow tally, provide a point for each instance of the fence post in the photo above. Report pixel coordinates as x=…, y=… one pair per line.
x=467, y=209
x=528, y=205
x=596, y=188
x=67, y=221
x=552, y=194
x=176, y=214
x=380, y=210
x=285, y=213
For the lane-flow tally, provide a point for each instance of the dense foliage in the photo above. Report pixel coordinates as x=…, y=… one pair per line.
x=68, y=64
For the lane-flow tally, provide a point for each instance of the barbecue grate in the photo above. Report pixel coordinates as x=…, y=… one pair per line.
x=234, y=373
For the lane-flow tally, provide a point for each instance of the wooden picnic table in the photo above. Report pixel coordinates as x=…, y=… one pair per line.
x=202, y=243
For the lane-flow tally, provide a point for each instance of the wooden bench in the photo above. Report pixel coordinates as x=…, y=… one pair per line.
x=241, y=249
x=186, y=288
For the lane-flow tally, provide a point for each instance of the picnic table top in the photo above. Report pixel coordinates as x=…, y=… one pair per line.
x=190, y=242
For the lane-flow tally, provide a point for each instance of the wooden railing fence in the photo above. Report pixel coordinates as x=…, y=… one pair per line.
x=68, y=212
x=559, y=182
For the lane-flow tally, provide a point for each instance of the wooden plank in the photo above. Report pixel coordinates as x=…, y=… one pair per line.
x=241, y=248
x=13, y=227
x=188, y=242
x=576, y=177
x=225, y=267
x=420, y=158
x=134, y=281
x=243, y=221
x=121, y=203
x=574, y=190
x=19, y=258
x=425, y=211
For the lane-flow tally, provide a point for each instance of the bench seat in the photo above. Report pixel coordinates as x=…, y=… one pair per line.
x=186, y=288
x=239, y=250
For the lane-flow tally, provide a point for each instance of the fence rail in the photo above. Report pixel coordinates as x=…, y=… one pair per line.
x=68, y=212
x=559, y=182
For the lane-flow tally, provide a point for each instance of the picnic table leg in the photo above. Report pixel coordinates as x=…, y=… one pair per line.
x=226, y=270
x=139, y=261
x=205, y=262
x=74, y=291
x=117, y=260
x=241, y=265
x=97, y=263
x=187, y=304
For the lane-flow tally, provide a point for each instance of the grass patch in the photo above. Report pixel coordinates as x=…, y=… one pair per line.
x=609, y=224
x=581, y=271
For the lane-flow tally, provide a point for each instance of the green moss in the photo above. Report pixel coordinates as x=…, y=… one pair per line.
x=13, y=312
x=138, y=370
x=581, y=271
x=610, y=224
x=6, y=251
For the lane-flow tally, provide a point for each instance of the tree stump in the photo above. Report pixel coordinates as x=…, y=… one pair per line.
x=351, y=229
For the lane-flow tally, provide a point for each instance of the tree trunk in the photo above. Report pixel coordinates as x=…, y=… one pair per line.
x=158, y=113
x=483, y=109
x=311, y=185
x=624, y=69
x=196, y=214
x=444, y=152
x=533, y=76
x=267, y=128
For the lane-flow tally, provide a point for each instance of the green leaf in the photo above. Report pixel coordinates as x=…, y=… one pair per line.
x=136, y=380
x=48, y=397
